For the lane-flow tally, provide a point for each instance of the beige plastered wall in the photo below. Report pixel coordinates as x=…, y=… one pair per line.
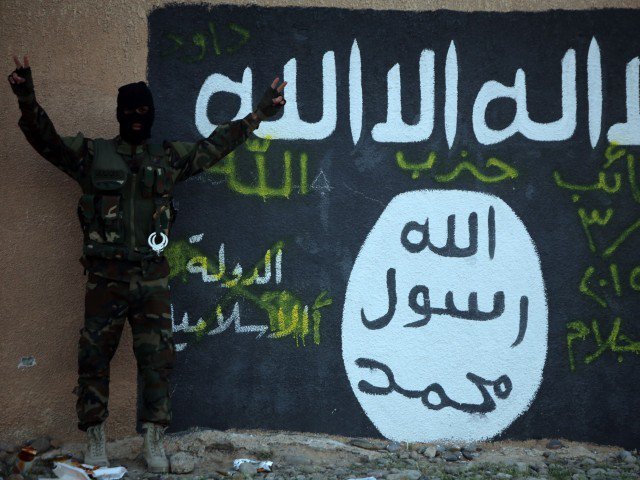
x=80, y=52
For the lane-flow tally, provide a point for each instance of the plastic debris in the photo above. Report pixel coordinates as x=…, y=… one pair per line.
x=26, y=362
x=263, y=467
x=79, y=471
x=24, y=460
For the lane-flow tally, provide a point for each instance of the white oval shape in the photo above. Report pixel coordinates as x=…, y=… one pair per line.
x=466, y=364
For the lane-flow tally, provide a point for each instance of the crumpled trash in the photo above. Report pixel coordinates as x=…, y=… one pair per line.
x=263, y=467
x=79, y=471
x=25, y=459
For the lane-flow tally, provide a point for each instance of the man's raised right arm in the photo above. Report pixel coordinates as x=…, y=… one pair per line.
x=66, y=153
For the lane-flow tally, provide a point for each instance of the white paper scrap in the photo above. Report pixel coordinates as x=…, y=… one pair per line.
x=66, y=471
x=112, y=473
x=262, y=466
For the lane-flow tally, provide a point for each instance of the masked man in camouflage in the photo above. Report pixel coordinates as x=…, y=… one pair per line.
x=126, y=212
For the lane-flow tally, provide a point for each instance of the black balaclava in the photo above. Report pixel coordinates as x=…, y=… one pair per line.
x=130, y=97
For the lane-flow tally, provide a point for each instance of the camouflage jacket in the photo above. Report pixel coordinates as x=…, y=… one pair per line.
x=179, y=160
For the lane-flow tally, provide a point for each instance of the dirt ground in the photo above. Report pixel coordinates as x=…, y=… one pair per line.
x=209, y=454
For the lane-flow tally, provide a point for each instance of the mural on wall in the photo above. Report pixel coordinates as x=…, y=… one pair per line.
x=436, y=239
x=443, y=274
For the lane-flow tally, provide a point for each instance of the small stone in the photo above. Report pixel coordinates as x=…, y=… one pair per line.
x=394, y=447
x=341, y=472
x=594, y=472
x=405, y=475
x=454, y=448
x=377, y=473
x=296, y=460
x=56, y=442
x=452, y=457
x=6, y=447
x=472, y=447
x=429, y=451
x=308, y=469
x=414, y=455
x=41, y=444
x=554, y=444
x=440, y=449
x=452, y=468
x=469, y=455
x=521, y=467
x=366, y=444
x=503, y=476
x=182, y=462
x=219, y=471
x=248, y=468
x=626, y=456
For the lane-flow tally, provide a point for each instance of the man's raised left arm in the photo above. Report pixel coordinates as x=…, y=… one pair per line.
x=192, y=158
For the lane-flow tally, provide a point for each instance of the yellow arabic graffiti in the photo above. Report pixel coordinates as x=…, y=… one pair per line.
x=597, y=276
x=618, y=343
x=289, y=316
x=505, y=171
x=230, y=166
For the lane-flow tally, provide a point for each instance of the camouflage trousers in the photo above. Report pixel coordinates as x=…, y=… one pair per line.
x=108, y=304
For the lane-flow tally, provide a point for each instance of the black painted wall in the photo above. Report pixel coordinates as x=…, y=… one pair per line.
x=234, y=379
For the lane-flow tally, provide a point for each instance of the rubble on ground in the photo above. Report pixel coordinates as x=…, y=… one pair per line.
x=210, y=454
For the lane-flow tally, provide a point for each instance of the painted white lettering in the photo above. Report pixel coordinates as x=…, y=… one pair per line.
x=221, y=83
x=290, y=126
x=451, y=94
x=395, y=129
x=628, y=133
x=594, y=93
x=355, y=92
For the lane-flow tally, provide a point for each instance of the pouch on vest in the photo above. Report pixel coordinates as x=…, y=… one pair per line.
x=163, y=217
x=108, y=179
x=86, y=211
x=111, y=214
x=164, y=181
x=147, y=177
x=109, y=171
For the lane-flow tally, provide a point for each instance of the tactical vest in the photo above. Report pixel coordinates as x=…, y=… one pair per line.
x=120, y=209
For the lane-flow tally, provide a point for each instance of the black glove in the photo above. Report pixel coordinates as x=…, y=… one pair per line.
x=266, y=108
x=24, y=90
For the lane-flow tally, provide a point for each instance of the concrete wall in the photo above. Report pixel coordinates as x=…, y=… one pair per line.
x=80, y=53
